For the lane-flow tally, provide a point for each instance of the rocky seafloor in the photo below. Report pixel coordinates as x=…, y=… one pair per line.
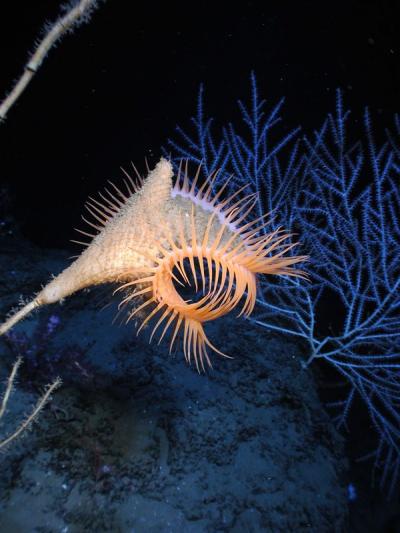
x=135, y=440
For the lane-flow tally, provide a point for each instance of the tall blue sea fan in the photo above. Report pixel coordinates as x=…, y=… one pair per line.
x=343, y=199
x=349, y=217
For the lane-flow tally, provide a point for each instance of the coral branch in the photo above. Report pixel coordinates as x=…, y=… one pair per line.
x=74, y=16
x=38, y=407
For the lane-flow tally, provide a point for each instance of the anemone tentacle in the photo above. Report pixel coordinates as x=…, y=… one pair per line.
x=227, y=250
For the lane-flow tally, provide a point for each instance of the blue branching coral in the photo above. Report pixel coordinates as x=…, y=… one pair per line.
x=344, y=199
x=353, y=233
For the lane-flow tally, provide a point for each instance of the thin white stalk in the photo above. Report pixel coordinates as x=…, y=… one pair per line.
x=62, y=25
x=38, y=407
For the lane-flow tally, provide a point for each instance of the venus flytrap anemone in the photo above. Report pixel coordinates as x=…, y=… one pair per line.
x=160, y=238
